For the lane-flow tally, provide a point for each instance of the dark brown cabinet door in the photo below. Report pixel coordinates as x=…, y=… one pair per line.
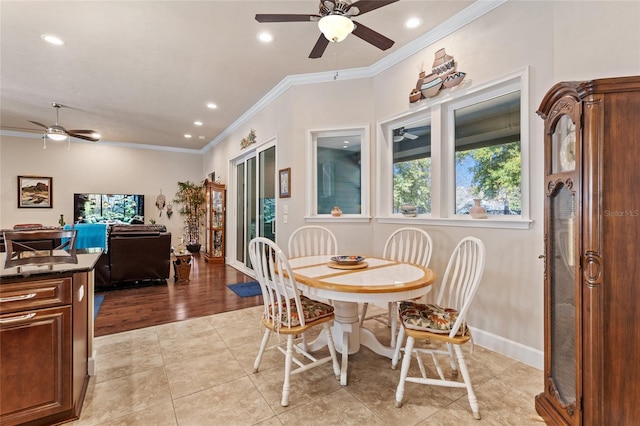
x=562, y=379
x=35, y=364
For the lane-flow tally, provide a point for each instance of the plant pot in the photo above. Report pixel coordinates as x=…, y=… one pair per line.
x=335, y=212
x=194, y=248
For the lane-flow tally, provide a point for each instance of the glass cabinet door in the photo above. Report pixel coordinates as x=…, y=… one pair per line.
x=562, y=302
x=215, y=239
x=562, y=294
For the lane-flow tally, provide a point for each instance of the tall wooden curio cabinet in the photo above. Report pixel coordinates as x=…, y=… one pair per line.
x=215, y=222
x=592, y=253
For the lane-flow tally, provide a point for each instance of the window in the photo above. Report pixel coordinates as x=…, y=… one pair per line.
x=453, y=149
x=340, y=174
x=488, y=155
x=412, y=167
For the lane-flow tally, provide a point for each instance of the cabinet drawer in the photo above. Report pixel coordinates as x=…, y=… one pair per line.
x=35, y=294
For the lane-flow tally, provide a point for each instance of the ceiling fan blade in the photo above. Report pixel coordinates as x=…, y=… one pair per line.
x=284, y=17
x=82, y=131
x=39, y=124
x=365, y=6
x=86, y=138
x=373, y=37
x=319, y=48
x=410, y=136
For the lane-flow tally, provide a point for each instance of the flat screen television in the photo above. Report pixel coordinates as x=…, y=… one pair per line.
x=112, y=208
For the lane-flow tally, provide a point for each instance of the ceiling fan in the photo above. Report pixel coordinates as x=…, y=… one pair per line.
x=335, y=20
x=58, y=133
x=401, y=134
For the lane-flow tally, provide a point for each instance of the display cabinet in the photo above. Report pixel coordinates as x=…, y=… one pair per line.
x=215, y=222
x=592, y=234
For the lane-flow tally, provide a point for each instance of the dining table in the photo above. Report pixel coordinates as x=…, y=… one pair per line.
x=372, y=280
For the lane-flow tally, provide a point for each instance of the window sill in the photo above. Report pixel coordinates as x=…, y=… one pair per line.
x=463, y=222
x=345, y=218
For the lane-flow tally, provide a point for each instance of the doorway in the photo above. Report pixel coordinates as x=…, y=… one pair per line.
x=255, y=200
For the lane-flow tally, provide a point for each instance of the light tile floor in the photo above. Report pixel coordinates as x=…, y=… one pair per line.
x=200, y=372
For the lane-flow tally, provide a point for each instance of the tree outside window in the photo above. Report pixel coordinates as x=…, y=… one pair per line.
x=488, y=155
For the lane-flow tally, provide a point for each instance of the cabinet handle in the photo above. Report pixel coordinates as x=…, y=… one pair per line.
x=18, y=318
x=14, y=298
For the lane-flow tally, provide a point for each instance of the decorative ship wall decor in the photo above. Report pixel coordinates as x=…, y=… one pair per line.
x=443, y=75
x=249, y=140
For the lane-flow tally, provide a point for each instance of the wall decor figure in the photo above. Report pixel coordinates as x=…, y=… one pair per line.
x=161, y=200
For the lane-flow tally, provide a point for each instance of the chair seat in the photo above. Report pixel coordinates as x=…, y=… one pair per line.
x=429, y=317
x=294, y=330
x=458, y=339
x=312, y=310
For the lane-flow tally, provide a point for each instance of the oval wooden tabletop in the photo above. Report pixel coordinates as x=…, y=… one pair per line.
x=380, y=276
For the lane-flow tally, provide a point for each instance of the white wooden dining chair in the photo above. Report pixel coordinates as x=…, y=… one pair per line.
x=288, y=313
x=444, y=323
x=312, y=240
x=413, y=245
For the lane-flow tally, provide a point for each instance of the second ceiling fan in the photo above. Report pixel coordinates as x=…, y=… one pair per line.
x=58, y=133
x=335, y=20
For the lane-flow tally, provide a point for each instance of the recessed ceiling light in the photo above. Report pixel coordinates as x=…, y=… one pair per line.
x=52, y=39
x=198, y=123
x=413, y=22
x=200, y=137
x=188, y=136
x=211, y=105
x=265, y=37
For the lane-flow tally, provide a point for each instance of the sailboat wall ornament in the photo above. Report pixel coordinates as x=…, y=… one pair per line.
x=443, y=75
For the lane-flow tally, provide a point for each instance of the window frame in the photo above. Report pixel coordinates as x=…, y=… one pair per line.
x=440, y=111
x=361, y=130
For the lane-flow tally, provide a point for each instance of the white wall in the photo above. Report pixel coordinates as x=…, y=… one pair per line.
x=92, y=168
x=556, y=41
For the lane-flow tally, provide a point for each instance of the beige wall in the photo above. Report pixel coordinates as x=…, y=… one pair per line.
x=555, y=41
x=91, y=168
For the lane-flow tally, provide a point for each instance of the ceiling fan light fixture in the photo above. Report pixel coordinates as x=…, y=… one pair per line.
x=56, y=135
x=336, y=27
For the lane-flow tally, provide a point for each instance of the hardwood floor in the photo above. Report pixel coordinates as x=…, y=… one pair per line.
x=147, y=305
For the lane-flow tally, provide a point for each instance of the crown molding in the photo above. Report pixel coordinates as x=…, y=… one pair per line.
x=30, y=135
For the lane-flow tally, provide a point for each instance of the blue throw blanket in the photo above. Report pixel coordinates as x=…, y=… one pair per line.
x=90, y=235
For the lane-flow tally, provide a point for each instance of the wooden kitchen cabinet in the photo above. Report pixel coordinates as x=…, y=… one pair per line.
x=43, y=349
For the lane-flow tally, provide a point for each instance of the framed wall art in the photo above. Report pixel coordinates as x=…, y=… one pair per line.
x=35, y=192
x=285, y=183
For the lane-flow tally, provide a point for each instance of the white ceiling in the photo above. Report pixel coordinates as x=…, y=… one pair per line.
x=142, y=71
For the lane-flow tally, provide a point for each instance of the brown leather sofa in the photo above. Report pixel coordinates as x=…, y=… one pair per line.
x=134, y=253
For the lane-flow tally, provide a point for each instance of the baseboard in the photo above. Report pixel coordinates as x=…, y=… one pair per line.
x=91, y=366
x=506, y=347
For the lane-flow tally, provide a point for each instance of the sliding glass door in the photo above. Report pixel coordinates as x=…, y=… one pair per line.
x=255, y=197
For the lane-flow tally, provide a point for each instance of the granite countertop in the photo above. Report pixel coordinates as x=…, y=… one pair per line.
x=86, y=261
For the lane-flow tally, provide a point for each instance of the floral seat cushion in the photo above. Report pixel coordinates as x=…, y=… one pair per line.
x=312, y=311
x=429, y=317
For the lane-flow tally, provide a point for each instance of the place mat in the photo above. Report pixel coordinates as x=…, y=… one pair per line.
x=336, y=265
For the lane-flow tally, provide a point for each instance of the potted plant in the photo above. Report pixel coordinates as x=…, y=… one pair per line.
x=193, y=199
